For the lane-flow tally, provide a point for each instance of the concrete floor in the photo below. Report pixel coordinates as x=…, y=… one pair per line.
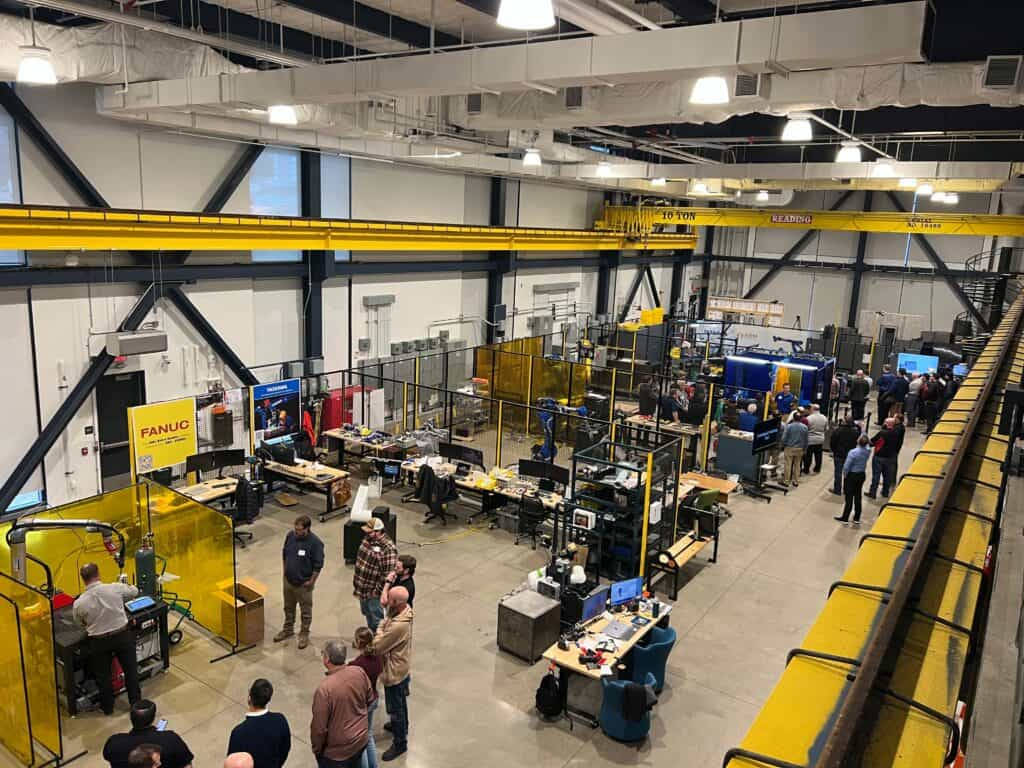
x=473, y=705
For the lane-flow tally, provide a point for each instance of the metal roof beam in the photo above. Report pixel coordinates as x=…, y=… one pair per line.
x=377, y=22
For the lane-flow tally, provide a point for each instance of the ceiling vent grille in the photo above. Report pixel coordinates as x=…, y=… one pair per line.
x=474, y=103
x=574, y=97
x=1002, y=72
x=748, y=86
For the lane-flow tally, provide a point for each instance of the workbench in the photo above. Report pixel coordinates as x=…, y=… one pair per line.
x=210, y=491
x=306, y=474
x=640, y=429
x=568, y=662
x=346, y=440
x=690, y=481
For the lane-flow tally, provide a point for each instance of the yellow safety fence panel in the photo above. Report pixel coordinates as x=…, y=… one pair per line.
x=15, y=732
x=796, y=720
x=198, y=545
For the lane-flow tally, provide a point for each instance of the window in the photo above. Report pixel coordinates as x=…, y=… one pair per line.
x=274, y=191
x=336, y=192
x=26, y=500
x=10, y=189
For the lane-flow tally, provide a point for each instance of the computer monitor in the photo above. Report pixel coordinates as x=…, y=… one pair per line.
x=531, y=468
x=912, y=363
x=558, y=474
x=201, y=462
x=627, y=591
x=230, y=457
x=961, y=369
x=462, y=453
x=594, y=604
x=766, y=435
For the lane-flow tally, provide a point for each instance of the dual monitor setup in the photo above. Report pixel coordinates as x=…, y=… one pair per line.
x=617, y=593
x=549, y=475
x=215, y=460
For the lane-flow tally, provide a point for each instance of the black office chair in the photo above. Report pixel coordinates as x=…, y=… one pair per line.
x=245, y=512
x=532, y=516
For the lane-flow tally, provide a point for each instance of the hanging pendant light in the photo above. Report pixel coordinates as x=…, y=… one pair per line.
x=35, y=67
x=798, y=128
x=532, y=158
x=710, y=90
x=604, y=169
x=528, y=15
x=762, y=196
x=849, y=152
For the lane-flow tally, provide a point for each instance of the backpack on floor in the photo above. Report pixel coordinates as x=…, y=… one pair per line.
x=549, y=702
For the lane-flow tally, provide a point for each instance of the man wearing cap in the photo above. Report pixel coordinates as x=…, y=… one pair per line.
x=377, y=557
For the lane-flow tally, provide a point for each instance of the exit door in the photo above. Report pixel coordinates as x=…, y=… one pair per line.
x=115, y=394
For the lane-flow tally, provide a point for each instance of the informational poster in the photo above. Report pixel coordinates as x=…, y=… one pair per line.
x=162, y=434
x=276, y=409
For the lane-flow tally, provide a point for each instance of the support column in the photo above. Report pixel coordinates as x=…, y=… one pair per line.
x=705, y=271
x=503, y=262
x=679, y=263
x=319, y=264
x=858, y=268
x=608, y=263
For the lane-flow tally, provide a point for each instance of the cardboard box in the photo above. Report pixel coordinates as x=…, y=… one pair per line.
x=245, y=601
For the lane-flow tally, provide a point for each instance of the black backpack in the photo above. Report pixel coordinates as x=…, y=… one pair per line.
x=549, y=700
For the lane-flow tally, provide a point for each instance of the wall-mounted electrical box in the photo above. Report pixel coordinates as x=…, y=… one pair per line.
x=434, y=342
x=396, y=348
x=444, y=336
x=420, y=344
x=406, y=346
x=363, y=345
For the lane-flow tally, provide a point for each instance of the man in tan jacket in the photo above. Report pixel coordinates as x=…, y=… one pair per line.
x=393, y=644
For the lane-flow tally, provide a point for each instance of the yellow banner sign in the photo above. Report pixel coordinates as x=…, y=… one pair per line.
x=162, y=434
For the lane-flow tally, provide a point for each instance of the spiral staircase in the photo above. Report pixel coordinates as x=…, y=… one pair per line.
x=992, y=294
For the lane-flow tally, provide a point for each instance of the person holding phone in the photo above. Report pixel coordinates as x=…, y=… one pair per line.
x=171, y=748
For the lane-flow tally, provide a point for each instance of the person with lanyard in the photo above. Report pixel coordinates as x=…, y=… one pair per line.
x=100, y=609
x=784, y=401
x=303, y=559
x=854, y=472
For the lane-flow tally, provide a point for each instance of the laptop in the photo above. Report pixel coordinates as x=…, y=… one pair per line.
x=619, y=631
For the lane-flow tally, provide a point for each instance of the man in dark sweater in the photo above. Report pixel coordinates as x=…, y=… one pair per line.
x=858, y=389
x=402, y=576
x=303, y=559
x=898, y=393
x=843, y=440
x=174, y=753
x=887, y=442
x=264, y=735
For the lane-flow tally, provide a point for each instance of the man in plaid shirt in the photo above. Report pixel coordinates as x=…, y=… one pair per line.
x=376, y=558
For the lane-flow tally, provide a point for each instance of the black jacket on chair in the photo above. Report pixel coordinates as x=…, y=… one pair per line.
x=434, y=491
x=247, y=505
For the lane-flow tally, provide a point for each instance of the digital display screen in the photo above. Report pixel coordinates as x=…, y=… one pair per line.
x=917, y=363
x=766, y=435
x=627, y=591
x=961, y=369
x=594, y=605
x=276, y=409
x=140, y=603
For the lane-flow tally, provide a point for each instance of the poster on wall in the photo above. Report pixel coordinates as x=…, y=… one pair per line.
x=162, y=434
x=276, y=410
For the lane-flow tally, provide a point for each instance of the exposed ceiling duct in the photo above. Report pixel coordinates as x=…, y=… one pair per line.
x=852, y=38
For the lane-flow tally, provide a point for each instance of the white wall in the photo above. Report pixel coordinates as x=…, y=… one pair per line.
x=20, y=424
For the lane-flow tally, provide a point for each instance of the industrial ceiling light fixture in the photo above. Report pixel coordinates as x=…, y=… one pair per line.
x=700, y=188
x=604, y=169
x=952, y=198
x=529, y=15
x=924, y=189
x=798, y=128
x=711, y=89
x=849, y=152
x=282, y=114
x=883, y=169
x=532, y=158
x=35, y=67
x=659, y=181
x=908, y=183
x=938, y=197
x=762, y=196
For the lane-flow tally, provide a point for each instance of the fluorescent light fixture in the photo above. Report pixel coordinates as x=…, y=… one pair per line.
x=700, y=188
x=435, y=155
x=526, y=14
x=925, y=189
x=798, y=128
x=762, y=196
x=883, y=169
x=751, y=360
x=849, y=152
x=282, y=114
x=35, y=67
x=952, y=198
x=739, y=193
x=908, y=183
x=599, y=148
x=604, y=169
x=938, y=197
x=798, y=366
x=711, y=89
x=532, y=158
x=659, y=181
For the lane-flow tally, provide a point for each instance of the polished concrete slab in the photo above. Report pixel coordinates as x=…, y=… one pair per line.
x=472, y=705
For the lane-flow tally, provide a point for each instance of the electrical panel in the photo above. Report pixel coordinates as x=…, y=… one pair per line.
x=420, y=344
x=396, y=348
x=363, y=345
x=540, y=324
x=444, y=336
x=407, y=346
x=434, y=342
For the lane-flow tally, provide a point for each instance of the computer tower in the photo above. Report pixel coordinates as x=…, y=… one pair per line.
x=352, y=535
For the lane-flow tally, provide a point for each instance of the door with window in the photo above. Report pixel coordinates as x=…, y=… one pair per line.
x=115, y=394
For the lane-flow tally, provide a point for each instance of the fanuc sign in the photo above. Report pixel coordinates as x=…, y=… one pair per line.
x=162, y=434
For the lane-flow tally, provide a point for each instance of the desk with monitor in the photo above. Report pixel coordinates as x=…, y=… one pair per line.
x=311, y=475
x=602, y=639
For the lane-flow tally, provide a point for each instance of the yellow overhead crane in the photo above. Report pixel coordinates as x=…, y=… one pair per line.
x=89, y=229
x=639, y=221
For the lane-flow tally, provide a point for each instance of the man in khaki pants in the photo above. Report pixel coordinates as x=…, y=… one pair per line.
x=794, y=443
x=303, y=559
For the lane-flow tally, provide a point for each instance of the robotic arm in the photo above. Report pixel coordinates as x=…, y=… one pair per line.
x=17, y=536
